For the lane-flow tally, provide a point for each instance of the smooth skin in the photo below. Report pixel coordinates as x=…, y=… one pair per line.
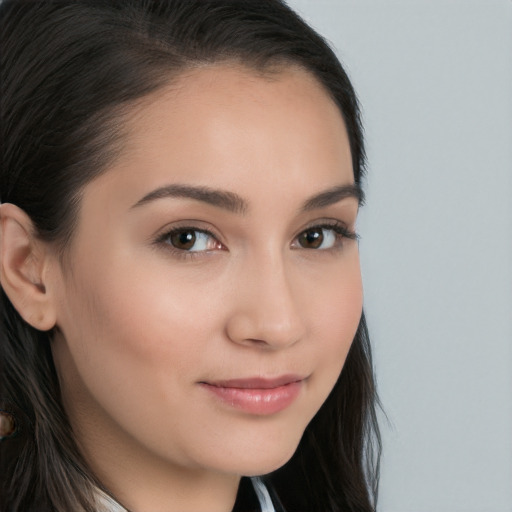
x=257, y=285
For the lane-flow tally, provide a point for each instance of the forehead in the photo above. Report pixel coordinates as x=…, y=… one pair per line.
x=227, y=125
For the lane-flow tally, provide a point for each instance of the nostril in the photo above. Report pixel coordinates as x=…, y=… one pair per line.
x=257, y=342
x=260, y=331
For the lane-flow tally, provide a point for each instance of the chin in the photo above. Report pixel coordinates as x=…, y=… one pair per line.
x=262, y=461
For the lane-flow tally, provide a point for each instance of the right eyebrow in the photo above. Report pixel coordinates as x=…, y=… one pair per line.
x=219, y=198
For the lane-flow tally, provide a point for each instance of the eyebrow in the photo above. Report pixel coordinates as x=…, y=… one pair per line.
x=333, y=196
x=235, y=204
x=219, y=198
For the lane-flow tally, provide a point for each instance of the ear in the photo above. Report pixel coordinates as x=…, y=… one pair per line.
x=24, y=264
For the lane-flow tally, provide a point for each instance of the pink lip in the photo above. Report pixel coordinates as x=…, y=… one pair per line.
x=256, y=395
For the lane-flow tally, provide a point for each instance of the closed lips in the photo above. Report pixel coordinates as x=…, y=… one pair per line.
x=257, y=396
x=256, y=382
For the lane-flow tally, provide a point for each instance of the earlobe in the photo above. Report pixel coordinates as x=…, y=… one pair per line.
x=24, y=262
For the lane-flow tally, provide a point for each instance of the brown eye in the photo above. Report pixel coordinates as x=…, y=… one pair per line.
x=191, y=240
x=311, y=238
x=323, y=237
x=183, y=240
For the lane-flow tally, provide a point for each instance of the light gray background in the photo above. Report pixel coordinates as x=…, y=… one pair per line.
x=435, y=82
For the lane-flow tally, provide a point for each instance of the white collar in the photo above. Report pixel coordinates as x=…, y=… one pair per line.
x=263, y=495
x=105, y=503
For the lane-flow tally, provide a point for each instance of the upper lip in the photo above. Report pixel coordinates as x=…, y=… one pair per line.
x=256, y=382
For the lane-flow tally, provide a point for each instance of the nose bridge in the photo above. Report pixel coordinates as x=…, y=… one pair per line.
x=266, y=311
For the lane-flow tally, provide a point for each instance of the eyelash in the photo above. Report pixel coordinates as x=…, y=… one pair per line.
x=340, y=230
x=182, y=253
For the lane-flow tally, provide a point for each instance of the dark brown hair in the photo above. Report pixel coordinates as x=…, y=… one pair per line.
x=70, y=70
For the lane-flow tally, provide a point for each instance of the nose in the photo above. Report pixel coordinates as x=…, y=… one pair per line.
x=265, y=308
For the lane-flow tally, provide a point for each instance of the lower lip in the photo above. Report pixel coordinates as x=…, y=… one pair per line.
x=255, y=400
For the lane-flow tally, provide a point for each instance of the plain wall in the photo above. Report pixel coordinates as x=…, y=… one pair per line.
x=435, y=82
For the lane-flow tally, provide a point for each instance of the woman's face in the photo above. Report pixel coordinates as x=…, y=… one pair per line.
x=214, y=287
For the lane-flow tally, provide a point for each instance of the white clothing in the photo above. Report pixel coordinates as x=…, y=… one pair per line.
x=107, y=504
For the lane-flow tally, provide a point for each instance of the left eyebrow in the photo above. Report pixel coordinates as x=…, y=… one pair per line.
x=334, y=195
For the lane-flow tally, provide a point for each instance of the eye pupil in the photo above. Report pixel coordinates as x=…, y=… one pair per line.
x=183, y=239
x=312, y=239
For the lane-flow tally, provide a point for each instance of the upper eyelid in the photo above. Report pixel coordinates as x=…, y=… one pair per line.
x=168, y=230
x=325, y=223
x=197, y=225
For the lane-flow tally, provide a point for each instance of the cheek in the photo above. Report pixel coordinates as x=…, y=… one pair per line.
x=127, y=324
x=335, y=307
x=141, y=306
x=335, y=311
x=137, y=339
x=344, y=312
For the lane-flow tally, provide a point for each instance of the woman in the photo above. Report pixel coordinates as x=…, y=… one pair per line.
x=180, y=272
